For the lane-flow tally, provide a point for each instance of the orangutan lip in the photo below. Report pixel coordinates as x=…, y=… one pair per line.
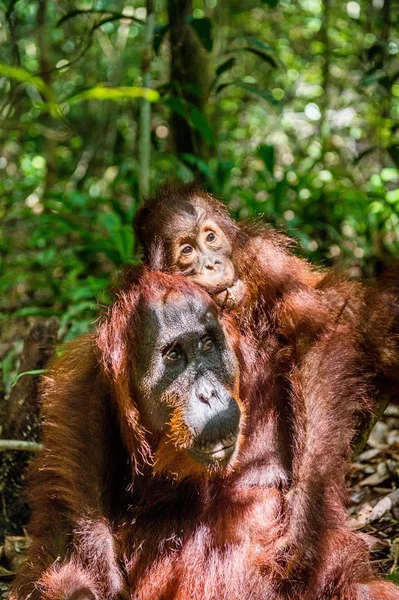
x=218, y=451
x=219, y=290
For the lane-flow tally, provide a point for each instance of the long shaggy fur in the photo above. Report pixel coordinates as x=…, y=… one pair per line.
x=106, y=526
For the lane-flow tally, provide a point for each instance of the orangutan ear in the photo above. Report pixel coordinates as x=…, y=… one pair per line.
x=156, y=259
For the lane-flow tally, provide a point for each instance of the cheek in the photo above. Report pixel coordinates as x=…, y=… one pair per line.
x=153, y=397
x=231, y=371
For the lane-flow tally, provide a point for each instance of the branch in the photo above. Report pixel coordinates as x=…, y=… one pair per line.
x=7, y=445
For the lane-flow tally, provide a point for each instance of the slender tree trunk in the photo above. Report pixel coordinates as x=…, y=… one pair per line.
x=111, y=110
x=145, y=109
x=188, y=74
x=324, y=124
x=45, y=74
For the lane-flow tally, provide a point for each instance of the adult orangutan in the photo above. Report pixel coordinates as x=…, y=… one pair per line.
x=154, y=483
x=315, y=321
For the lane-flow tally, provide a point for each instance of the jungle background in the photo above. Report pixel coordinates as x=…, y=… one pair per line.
x=288, y=110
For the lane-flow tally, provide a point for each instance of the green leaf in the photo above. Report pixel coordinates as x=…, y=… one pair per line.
x=263, y=55
x=222, y=68
x=200, y=123
x=372, y=77
x=262, y=93
x=114, y=16
x=253, y=41
x=29, y=311
x=110, y=220
x=200, y=165
x=225, y=66
x=175, y=103
x=266, y=153
x=33, y=372
x=203, y=29
x=102, y=92
x=159, y=34
x=120, y=235
x=23, y=76
x=222, y=86
x=394, y=576
x=77, y=309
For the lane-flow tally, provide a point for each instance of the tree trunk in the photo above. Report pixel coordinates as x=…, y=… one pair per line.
x=145, y=108
x=188, y=74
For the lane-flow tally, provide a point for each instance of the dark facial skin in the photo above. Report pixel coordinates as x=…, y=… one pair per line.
x=186, y=378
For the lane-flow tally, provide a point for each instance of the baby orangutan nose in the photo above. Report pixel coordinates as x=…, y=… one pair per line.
x=212, y=263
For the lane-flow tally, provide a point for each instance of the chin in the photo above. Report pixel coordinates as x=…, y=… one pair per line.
x=230, y=296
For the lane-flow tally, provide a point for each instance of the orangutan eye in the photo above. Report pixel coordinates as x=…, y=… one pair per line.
x=211, y=237
x=207, y=344
x=187, y=249
x=172, y=355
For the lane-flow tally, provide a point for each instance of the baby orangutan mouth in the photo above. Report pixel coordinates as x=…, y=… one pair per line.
x=230, y=296
x=215, y=452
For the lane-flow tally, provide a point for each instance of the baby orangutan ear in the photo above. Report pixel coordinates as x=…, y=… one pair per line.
x=156, y=258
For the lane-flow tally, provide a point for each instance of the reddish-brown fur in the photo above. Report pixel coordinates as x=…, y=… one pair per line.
x=105, y=526
x=331, y=336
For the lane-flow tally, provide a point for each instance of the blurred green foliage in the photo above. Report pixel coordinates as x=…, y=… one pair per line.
x=302, y=128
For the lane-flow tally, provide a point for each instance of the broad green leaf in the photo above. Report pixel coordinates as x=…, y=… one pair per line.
x=101, y=92
x=271, y=3
x=110, y=220
x=262, y=93
x=203, y=29
x=23, y=76
x=266, y=153
x=201, y=124
x=200, y=165
x=253, y=41
x=176, y=104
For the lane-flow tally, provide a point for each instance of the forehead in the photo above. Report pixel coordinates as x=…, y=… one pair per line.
x=188, y=218
x=174, y=313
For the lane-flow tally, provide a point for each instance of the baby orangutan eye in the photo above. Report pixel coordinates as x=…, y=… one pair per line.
x=211, y=237
x=187, y=249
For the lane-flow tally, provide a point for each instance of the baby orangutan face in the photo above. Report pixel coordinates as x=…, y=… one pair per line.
x=200, y=250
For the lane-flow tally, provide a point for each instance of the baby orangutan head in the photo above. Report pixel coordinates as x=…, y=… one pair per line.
x=186, y=231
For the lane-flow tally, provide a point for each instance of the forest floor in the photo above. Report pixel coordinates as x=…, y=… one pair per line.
x=374, y=492
x=373, y=508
